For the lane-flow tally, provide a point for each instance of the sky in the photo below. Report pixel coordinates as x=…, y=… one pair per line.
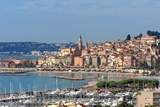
x=64, y=20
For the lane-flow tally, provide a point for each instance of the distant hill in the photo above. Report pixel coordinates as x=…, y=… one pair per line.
x=32, y=46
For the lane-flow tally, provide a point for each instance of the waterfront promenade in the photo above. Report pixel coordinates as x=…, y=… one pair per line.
x=84, y=69
x=17, y=70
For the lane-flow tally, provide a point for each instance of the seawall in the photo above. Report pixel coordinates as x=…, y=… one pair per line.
x=91, y=75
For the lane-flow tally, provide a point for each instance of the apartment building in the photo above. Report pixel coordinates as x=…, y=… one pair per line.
x=148, y=97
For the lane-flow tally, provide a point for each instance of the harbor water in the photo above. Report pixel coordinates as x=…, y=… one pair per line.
x=14, y=83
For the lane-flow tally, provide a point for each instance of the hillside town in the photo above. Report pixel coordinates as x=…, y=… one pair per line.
x=137, y=52
x=79, y=53
x=101, y=89
x=142, y=51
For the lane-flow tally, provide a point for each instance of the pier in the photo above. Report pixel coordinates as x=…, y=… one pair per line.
x=92, y=76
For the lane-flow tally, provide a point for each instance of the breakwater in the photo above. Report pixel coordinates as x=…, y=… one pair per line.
x=92, y=76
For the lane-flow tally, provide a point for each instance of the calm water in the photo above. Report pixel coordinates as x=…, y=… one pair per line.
x=35, y=82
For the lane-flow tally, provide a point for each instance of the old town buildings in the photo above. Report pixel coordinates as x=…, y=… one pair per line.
x=138, y=52
x=14, y=63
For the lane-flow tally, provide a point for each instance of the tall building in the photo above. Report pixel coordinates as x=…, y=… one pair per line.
x=80, y=43
x=79, y=48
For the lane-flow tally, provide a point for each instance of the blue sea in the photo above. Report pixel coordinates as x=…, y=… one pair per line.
x=11, y=83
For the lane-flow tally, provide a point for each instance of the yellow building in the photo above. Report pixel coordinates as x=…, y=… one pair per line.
x=65, y=51
x=119, y=62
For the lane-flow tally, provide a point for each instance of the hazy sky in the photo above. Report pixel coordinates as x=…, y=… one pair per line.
x=65, y=20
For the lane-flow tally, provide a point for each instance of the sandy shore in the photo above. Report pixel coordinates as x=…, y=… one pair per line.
x=90, y=85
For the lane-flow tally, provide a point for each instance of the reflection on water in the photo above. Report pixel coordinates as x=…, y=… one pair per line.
x=34, y=82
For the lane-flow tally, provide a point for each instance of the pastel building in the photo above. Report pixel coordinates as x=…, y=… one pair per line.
x=87, y=60
x=128, y=61
x=78, y=61
x=148, y=98
x=111, y=61
x=65, y=51
x=96, y=61
x=118, y=62
x=66, y=60
x=148, y=40
x=103, y=59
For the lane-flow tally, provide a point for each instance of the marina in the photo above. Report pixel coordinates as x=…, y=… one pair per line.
x=41, y=89
x=87, y=53
x=53, y=97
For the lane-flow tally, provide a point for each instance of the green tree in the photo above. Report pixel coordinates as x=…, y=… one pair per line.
x=101, y=84
x=128, y=37
x=150, y=106
x=98, y=105
x=157, y=66
x=138, y=36
x=153, y=33
x=124, y=104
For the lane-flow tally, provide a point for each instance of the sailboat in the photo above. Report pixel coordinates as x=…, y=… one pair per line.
x=56, y=91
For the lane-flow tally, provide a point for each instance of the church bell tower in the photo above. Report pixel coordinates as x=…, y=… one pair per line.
x=80, y=43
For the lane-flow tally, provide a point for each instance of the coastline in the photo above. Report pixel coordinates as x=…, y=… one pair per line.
x=91, y=85
x=81, y=74
x=91, y=76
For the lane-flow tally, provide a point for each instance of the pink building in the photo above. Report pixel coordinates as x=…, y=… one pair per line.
x=78, y=61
